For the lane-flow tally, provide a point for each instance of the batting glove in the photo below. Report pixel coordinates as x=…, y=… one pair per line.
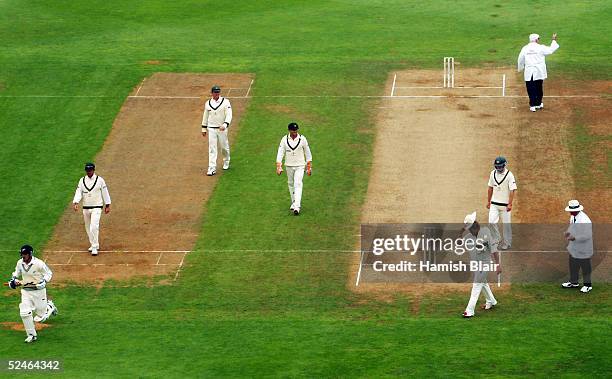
x=13, y=283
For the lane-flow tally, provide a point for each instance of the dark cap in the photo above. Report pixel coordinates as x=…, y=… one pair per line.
x=26, y=249
x=500, y=162
x=293, y=126
x=215, y=89
x=89, y=166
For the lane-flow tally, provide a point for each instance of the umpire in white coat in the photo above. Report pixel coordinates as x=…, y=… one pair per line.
x=216, y=120
x=296, y=151
x=531, y=60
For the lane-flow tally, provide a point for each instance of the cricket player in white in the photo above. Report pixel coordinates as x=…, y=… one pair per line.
x=93, y=191
x=502, y=186
x=485, y=253
x=294, y=148
x=34, y=275
x=532, y=60
x=216, y=120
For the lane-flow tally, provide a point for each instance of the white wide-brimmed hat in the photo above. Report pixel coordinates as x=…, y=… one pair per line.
x=574, y=206
x=533, y=37
x=469, y=220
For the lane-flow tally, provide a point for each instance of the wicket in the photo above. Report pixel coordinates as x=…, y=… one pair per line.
x=449, y=72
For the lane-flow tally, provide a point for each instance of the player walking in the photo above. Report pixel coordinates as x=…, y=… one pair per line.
x=294, y=148
x=216, y=120
x=484, y=254
x=93, y=191
x=34, y=275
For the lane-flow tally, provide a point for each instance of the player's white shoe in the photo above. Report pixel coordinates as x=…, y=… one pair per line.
x=226, y=165
x=586, y=289
x=488, y=306
x=94, y=251
x=211, y=172
x=533, y=109
x=31, y=338
x=51, y=311
x=296, y=211
x=90, y=249
x=52, y=307
x=541, y=106
x=570, y=285
x=466, y=315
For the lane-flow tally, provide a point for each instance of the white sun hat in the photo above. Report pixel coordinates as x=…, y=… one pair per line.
x=469, y=220
x=533, y=37
x=574, y=206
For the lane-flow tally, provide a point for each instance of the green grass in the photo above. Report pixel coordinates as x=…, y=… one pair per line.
x=583, y=145
x=281, y=314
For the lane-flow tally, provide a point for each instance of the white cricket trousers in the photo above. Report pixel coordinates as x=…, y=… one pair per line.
x=32, y=301
x=495, y=211
x=92, y=225
x=295, y=176
x=476, y=288
x=217, y=136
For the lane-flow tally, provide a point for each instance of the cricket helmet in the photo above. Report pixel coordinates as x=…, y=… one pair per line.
x=26, y=249
x=500, y=163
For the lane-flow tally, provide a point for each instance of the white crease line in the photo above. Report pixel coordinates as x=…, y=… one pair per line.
x=475, y=87
x=159, y=258
x=70, y=259
x=113, y=264
x=280, y=251
x=415, y=87
x=178, y=270
x=412, y=96
x=139, y=87
x=359, y=271
x=113, y=251
x=320, y=96
x=55, y=96
x=393, y=87
x=249, y=90
x=505, y=251
x=274, y=251
x=463, y=87
x=162, y=97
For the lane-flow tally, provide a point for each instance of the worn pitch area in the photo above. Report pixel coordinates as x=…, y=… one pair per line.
x=154, y=162
x=435, y=147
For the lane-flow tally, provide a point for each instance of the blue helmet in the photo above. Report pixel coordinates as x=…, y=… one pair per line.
x=500, y=163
